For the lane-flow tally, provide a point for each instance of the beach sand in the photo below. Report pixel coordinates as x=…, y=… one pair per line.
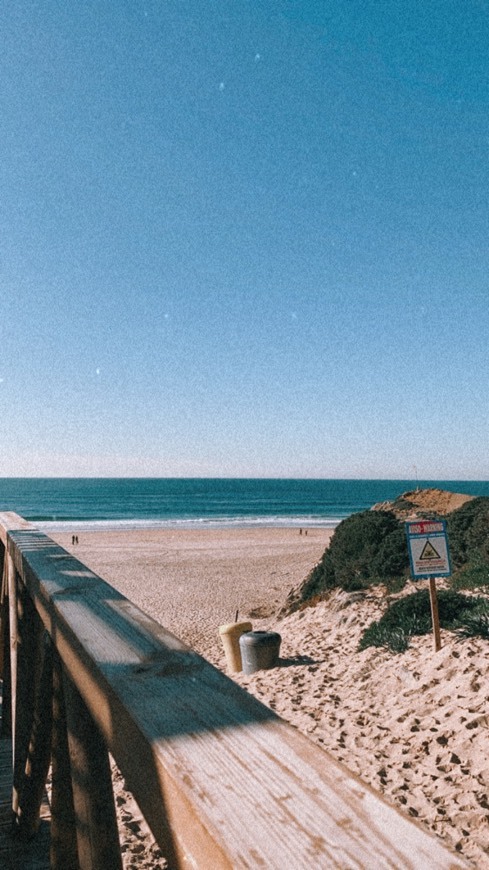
x=415, y=726
x=195, y=580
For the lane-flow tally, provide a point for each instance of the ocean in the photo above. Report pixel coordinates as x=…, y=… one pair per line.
x=57, y=504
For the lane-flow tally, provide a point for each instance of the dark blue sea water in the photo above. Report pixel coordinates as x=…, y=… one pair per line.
x=58, y=503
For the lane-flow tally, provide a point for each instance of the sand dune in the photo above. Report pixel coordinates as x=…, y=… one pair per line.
x=415, y=726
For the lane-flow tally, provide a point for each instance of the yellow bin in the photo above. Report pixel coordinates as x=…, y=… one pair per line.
x=230, y=635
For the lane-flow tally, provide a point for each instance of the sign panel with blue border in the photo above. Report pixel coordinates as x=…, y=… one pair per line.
x=428, y=548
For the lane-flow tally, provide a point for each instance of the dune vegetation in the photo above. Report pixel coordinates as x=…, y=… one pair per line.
x=370, y=549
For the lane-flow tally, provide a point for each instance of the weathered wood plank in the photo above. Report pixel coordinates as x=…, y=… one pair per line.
x=93, y=798
x=30, y=634
x=5, y=666
x=222, y=781
x=33, y=782
x=10, y=521
x=64, y=848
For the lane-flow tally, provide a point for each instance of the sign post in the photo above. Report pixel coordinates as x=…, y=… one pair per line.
x=429, y=558
x=435, y=618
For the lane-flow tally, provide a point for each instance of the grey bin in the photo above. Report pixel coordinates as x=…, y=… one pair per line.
x=259, y=650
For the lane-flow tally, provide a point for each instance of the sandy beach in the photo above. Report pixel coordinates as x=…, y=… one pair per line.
x=192, y=581
x=414, y=726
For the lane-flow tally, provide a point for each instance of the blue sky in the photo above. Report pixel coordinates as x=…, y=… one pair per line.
x=244, y=238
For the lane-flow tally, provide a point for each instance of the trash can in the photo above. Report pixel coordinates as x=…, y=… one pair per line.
x=259, y=650
x=230, y=635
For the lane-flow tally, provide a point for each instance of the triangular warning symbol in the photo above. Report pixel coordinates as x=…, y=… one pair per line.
x=428, y=553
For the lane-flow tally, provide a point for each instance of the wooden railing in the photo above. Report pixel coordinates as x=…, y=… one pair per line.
x=222, y=781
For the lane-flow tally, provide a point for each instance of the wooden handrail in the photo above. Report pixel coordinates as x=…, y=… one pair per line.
x=222, y=781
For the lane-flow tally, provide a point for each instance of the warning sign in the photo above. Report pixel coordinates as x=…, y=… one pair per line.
x=428, y=548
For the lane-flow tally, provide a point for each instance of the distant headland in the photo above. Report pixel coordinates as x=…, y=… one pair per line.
x=419, y=502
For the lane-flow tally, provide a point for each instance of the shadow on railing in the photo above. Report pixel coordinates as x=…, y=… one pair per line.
x=220, y=779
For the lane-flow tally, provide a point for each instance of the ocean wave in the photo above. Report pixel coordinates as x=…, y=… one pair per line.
x=188, y=523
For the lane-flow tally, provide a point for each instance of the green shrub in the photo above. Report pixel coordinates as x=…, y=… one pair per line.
x=370, y=547
x=357, y=544
x=472, y=576
x=475, y=623
x=391, y=559
x=395, y=584
x=412, y=616
x=468, y=532
x=395, y=639
x=452, y=607
x=367, y=547
x=320, y=579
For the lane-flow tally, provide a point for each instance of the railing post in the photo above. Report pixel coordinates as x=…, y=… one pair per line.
x=39, y=755
x=28, y=643
x=64, y=853
x=93, y=797
x=5, y=660
x=3, y=606
x=11, y=582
